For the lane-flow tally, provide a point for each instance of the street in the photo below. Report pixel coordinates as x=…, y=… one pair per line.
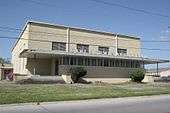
x=147, y=104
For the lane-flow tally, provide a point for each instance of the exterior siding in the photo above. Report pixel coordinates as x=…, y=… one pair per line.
x=131, y=45
x=42, y=66
x=94, y=40
x=91, y=39
x=100, y=71
x=48, y=34
x=19, y=64
x=165, y=73
x=1, y=73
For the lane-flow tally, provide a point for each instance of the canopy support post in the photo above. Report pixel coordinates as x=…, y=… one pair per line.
x=157, y=68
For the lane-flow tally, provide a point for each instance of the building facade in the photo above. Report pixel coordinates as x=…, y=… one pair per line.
x=51, y=50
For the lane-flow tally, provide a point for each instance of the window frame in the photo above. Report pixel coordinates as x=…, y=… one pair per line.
x=121, y=51
x=83, y=47
x=103, y=49
x=61, y=46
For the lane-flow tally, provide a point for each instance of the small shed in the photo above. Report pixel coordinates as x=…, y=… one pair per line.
x=6, y=72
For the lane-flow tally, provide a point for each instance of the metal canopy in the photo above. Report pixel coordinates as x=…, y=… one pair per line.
x=28, y=53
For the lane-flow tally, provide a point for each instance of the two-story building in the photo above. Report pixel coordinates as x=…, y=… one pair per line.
x=50, y=50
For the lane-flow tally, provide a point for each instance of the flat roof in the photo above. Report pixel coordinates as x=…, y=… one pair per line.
x=27, y=53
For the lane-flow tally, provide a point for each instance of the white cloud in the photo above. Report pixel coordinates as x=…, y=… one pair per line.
x=164, y=37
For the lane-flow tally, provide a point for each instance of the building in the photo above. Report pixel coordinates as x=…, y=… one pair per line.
x=161, y=72
x=6, y=71
x=50, y=50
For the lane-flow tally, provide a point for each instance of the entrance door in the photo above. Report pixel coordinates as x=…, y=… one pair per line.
x=56, y=67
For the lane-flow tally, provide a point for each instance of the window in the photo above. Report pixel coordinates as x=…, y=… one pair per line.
x=104, y=50
x=93, y=62
x=59, y=46
x=106, y=62
x=73, y=61
x=122, y=52
x=66, y=60
x=112, y=63
x=82, y=48
x=80, y=61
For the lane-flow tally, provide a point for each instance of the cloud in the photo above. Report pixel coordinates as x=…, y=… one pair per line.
x=165, y=31
x=164, y=37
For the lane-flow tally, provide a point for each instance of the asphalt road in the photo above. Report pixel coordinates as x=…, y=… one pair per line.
x=150, y=104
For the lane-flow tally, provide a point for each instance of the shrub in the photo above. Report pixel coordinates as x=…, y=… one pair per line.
x=137, y=75
x=77, y=73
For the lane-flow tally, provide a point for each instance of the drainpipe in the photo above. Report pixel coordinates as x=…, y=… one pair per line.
x=157, y=68
x=68, y=39
x=116, y=43
x=34, y=70
x=143, y=64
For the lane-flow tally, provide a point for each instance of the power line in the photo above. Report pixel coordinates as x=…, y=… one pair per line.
x=40, y=3
x=106, y=3
x=130, y=8
x=152, y=49
x=11, y=29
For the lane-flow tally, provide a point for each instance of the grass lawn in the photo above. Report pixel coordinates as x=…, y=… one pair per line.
x=15, y=93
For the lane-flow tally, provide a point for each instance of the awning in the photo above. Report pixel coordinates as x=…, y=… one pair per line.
x=28, y=53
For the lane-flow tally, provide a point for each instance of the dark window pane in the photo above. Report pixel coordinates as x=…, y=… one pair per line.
x=122, y=51
x=106, y=62
x=104, y=50
x=100, y=62
x=80, y=61
x=82, y=48
x=93, y=62
x=59, y=46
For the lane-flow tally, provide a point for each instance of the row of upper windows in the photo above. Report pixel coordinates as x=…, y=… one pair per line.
x=82, y=48
x=66, y=60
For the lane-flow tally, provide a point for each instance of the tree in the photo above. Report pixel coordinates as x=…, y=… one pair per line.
x=4, y=61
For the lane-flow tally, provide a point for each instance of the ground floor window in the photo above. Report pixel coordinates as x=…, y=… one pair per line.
x=106, y=62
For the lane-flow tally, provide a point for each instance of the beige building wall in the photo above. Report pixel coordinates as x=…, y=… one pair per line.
x=43, y=36
x=100, y=71
x=165, y=73
x=19, y=64
x=59, y=34
x=0, y=73
x=92, y=39
x=39, y=66
x=132, y=46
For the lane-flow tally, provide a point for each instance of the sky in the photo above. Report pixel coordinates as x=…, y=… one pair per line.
x=91, y=15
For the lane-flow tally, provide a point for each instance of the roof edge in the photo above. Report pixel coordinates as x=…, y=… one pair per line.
x=21, y=33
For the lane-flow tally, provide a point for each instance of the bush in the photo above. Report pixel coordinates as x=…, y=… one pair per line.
x=137, y=75
x=77, y=73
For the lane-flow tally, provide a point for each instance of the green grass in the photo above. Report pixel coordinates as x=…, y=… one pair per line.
x=15, y=93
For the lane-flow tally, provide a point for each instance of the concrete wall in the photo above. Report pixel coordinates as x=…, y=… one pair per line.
x=19, y=64
x=59, y=34
x=46, y=33
x=165, y=73
x=131, y=45
x=1, y=74
x=100, y=72
x=42, y=66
